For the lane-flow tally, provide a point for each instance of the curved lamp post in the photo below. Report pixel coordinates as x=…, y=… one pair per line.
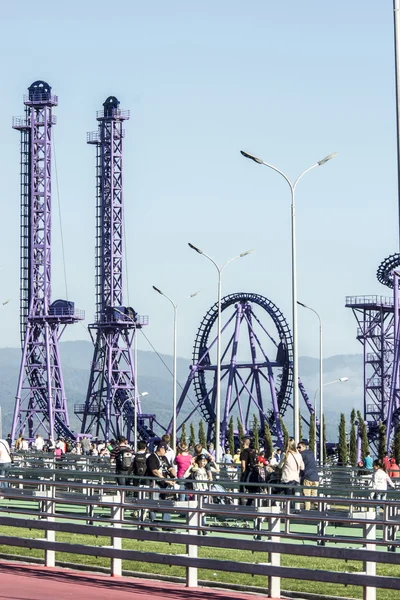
x=218, y=375
x=292, y=186
x=174, y=375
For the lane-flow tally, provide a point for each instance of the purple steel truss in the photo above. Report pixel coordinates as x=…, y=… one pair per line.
x=375, y=331
x=112, y=397
x=252, y=382
x=41, y=404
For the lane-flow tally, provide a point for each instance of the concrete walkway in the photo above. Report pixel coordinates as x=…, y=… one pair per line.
x=26, y=582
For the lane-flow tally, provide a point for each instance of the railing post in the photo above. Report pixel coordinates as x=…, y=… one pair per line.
x=193, y=519
x=116, y=563
x=274, y=583
x=369, y=593
x=48, y=505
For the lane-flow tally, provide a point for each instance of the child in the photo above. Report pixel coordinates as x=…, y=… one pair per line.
x=380, y=481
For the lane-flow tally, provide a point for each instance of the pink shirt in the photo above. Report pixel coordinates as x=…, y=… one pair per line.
x=182, y=461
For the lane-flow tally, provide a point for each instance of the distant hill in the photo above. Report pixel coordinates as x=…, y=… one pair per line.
x=154, y=378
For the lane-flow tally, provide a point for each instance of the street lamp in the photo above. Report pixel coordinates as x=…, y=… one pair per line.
x=294, y=275
x=174, y=374
x=218, y=375
x=321, y=422
x=321, y=385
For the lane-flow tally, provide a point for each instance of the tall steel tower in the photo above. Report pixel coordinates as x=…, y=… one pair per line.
x=41, y=404
x=112, y=403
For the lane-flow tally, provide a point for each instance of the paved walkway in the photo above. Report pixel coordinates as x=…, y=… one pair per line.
x=22, y=582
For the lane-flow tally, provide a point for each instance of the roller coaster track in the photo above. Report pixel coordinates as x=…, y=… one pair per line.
x=284, y=347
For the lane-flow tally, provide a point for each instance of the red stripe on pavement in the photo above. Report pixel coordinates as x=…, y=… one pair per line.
x=27, y=582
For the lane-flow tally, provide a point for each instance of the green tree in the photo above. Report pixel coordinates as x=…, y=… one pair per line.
x=202, y=435
x=240, y=432
x=363, y=432
x=268, y=444
x=231, y=436
x=256, y=434
x=353, y=443
x=311, y=434
x=353, y=417
x=183, y=434
x=192, y=439
x=396, y=444
x=342, y=447
x=382, y=440
x=285, y=434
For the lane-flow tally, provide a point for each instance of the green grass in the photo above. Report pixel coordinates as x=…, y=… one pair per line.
x=217, y=553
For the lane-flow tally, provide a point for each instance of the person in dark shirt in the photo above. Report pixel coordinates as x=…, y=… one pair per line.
x=310, y=476
x=247, y=463
x=158, y=466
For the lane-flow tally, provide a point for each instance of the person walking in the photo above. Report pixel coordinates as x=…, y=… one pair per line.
x=292, y=465
x=309, y=477
x=368, y=461
x=122, y=454
x=380, y=482
x=158, y=466
x=248, y=461
x=86, y=446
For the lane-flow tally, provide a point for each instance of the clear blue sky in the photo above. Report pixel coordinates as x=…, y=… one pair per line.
x=290, y=81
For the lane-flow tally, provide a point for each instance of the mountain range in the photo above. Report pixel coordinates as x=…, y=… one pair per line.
x=154, y=377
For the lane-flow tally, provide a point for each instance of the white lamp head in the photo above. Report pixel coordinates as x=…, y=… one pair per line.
x=251, y=157
x=329, y=157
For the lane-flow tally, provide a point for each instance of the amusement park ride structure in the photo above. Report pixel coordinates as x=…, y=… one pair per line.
x=256, y=366
x=112, y=405
x=40, y=400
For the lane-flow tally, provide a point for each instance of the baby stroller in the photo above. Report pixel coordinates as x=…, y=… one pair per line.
x=216, y=487
x=220, y=520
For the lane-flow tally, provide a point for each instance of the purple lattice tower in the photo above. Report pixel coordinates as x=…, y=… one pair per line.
x=111, y=398
x=41, y=404
x=375, y=331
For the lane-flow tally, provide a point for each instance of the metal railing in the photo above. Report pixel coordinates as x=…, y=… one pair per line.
x=269, y=525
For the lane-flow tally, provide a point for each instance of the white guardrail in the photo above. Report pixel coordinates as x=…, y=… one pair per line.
x=268, y=528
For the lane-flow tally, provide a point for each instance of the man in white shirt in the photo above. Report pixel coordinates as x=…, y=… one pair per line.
x=5, y=462
x=38, y=443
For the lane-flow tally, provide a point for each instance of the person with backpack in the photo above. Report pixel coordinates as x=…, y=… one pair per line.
x=122, y=454
x=139, y=465
x=158, y=466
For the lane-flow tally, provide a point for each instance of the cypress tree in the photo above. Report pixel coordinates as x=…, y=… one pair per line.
x=285, y=434
x=382, y=440
x=268, y=444
x=183, y=434
x=353, y=443
x=192, y=439
x=231, y=436
x=342, y=448
x=353, y=416
x=396, y=444
x=311, y=435
x=240, y=432
x=364, y=436
x=256, y=435
x=202, y=435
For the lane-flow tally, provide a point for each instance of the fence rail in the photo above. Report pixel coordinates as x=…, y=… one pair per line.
x=269, y=527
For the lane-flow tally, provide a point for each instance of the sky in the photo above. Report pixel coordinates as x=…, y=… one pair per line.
x=288, y=81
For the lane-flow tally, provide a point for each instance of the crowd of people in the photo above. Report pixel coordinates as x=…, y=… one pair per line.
x=193, y=467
